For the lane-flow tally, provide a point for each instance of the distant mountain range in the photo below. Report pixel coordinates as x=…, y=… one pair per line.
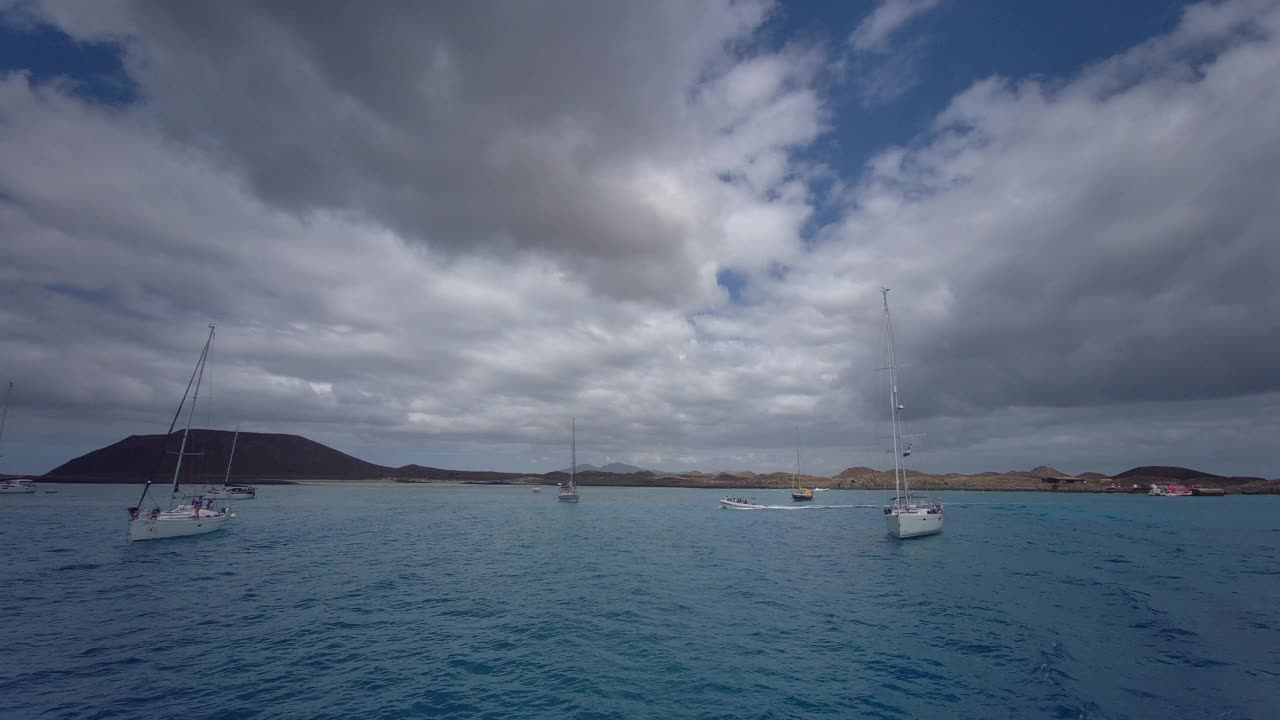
x=264, y=458
x=610, y=468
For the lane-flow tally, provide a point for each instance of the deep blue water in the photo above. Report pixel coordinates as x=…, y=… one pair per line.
x=388, y=601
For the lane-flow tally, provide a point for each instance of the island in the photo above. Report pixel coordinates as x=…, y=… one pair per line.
x=272, y=458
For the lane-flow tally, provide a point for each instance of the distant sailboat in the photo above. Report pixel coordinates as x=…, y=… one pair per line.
x=180, y=519
x=799, y=494
x=569, y=493
x=12, y=486
x=907, y=516
x=227, y=491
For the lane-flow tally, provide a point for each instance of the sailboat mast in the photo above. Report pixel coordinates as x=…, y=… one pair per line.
x=191, y=411
x=795, y=476
x=227, y=478
x=573, y=454
x=4, y=410
x=898, y=480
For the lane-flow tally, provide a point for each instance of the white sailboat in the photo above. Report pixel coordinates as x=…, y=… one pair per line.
x=227, y=491
x=180, y=520
x=799, y=494
x=908, y=515
x=569, y=493
x=12, y=486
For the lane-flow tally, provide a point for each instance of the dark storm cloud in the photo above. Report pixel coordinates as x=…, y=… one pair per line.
x=473, y=127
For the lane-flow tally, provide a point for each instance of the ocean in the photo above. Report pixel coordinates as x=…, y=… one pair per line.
x=453, y=601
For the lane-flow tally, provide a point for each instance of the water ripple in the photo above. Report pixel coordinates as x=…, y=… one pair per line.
x=468, y=602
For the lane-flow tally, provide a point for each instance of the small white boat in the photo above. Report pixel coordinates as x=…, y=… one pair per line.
x=1170, y=490
x=569, y=492
x=537, y=489
x=906, y=516
x=199, y=516
x=16, y=486
x=231, y=492
x=740, y=504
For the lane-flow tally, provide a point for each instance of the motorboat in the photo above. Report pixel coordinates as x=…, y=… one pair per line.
x=17, y=486
x=1170, y=490
x=740, y=504
x=231, y=492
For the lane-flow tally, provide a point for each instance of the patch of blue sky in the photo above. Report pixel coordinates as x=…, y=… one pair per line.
x=91, y=71
x=950, y=48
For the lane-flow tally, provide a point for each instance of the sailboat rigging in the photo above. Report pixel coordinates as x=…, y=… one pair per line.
x=180, y=519
x=907, y=516
x=799, y=494
x=569, y=493
x=12, y=486
x=227, y=491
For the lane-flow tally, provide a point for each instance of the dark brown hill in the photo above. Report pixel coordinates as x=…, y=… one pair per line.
x=421, y=472
x=259, y=457
x=1166, y=472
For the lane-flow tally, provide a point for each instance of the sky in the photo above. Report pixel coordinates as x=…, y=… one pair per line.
x=434, y=233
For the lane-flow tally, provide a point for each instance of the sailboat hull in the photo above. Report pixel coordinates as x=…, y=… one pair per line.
x=913, y=523
x=17, y=489
x=171, y=525
x=568, y=498
x=220, y=494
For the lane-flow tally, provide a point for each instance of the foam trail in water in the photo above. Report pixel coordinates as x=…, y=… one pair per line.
x=813, y=507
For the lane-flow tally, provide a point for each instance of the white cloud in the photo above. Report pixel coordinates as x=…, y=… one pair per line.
x=445, y=275
x=873, y=33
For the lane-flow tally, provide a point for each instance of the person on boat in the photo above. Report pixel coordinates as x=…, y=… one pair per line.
x=195, y=505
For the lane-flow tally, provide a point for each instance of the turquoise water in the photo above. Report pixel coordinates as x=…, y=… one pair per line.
x=393, y=601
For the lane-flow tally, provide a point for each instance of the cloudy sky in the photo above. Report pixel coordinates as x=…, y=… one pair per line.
x=435, y=232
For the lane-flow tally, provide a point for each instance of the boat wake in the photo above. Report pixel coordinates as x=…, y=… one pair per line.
x=813, y=507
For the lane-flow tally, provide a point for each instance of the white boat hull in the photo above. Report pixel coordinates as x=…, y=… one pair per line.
x=176, y=524
x=17, y=489
x=569, y=498
x=904, y=524
x=229, y=496
x=733, y=505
